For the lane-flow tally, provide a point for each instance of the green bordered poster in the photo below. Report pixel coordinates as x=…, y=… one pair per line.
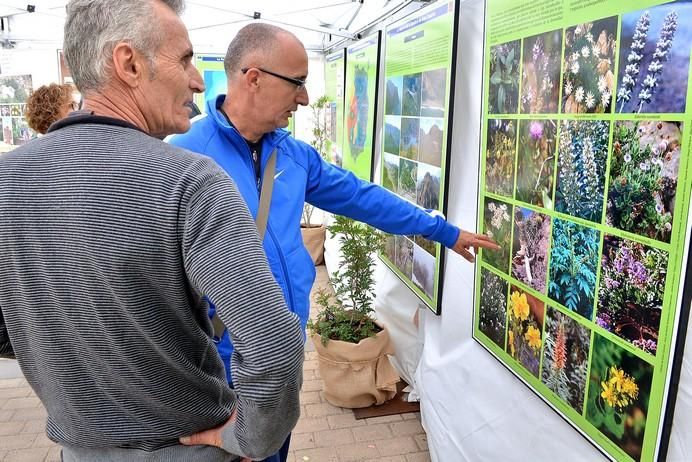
x=211, y=68
x=362, y=64
x=419, y=76
x=585, y=183
x=334, y=75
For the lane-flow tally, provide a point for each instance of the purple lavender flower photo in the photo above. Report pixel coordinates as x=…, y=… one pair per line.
x=630, y=298
x=540, y=74
x=654, y=59
x=536, y=162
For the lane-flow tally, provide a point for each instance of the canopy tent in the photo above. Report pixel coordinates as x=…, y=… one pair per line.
x=318, y=23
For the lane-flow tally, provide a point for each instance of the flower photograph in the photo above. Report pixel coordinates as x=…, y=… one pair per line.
x=408, y=176
x=589, y=61
x=540, y=75
x=503, y=93
x=524, y=329
x=573, y=266
x=530, y=247
x=566, y=358
x=581, y=164
x=644, y=177
x=501, y=142
x=618, y=399
x=631, y=290
x=654, y=59
x=492, y=309
x=497, y=225
x=536, y=162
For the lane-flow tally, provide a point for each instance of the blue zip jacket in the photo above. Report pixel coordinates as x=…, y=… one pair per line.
x=302, y=176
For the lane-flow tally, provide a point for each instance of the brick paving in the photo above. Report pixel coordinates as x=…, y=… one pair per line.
x=324, y=433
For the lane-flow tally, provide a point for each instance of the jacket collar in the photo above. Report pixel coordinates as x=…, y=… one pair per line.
x=270, y=140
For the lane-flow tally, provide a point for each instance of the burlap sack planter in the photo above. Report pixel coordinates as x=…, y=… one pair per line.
x=357, y=375
x=313, y=238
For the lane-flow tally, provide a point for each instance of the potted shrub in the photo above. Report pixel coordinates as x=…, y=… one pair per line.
x=352, y=348
x=314, y=234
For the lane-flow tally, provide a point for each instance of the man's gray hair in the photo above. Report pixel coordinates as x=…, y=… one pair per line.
x=94, y=27
x=255, y=38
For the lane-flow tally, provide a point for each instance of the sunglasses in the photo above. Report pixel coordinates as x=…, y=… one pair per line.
x=300, y=84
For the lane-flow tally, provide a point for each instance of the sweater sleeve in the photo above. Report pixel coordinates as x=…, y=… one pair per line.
x=339, y=191
x=224, y=259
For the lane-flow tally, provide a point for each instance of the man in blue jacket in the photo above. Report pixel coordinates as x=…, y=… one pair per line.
x=266, y=68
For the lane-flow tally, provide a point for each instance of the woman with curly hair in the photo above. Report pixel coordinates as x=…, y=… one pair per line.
x=48, y=104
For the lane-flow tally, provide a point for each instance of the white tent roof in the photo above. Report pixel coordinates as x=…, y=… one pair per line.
x=212, y=22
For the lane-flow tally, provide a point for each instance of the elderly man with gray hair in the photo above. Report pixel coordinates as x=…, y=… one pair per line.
x=109, y=239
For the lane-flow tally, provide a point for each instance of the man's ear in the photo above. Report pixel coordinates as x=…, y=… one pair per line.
x=251, y=78
x=128, y=64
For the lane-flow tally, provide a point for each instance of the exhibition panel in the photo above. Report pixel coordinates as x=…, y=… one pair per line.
x=211, y=68
x=585, y=184
x=362, y=72
x=419, y=75
x=334, y=75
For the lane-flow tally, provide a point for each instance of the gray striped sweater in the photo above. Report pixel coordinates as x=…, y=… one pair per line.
x=108, y=239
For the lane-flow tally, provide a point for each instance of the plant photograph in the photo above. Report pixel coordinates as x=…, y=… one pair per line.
x=530, y=248
x=409, y=138
x=503, y=94
x=423, y=270
x=404, y=255
x=540, y=75
x=536, y=162
x=630, y=294
x=581, y=164
x=412, y=95
x=589, y=61
x=427, y=245
x=392, y=134
x=408, y=175
x=433, y=95
x=499, y=156
x=619, y=390
x=492, y=309
x=573, y=266
x=394, y=89
x=655, y=59
x=525, y=329
x=644, y=177
x=430, y=146
x=390, y=172
x=497, y=225
x=428, y=187
x=566, y=358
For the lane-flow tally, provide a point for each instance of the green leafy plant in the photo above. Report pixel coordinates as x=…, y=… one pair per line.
x=345, y=315
x=644, y=177
x=573, y=263
x=319, y=142
x=504, y=78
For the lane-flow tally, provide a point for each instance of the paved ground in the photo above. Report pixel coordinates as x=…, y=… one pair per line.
x=324, y=433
